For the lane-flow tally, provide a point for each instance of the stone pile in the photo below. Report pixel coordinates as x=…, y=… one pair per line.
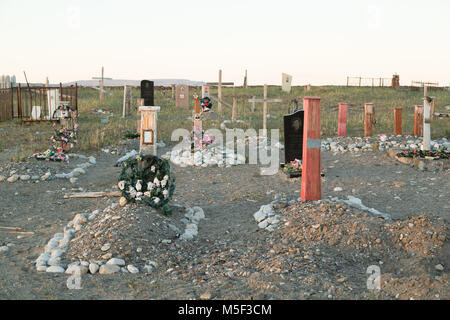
x=381, y=143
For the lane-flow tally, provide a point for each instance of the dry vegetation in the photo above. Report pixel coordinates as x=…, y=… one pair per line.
x=22, y=140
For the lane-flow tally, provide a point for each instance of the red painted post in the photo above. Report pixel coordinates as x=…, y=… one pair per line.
x=397, y=121
x=311, y=180
x=342, y=123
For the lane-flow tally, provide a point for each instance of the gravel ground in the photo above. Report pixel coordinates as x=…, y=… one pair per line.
x=322, y=253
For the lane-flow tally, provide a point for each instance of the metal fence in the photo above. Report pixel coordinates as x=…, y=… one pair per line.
x=39, y=103
x=6, y=104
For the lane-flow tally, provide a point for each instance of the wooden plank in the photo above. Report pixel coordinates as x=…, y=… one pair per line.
x=93, y=194
x=342, y=120
x=265, y=100
x=397, y=121
x=369, y=116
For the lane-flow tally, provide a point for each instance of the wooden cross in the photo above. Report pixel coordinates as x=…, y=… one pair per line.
x=265, y=101
x=102, y=79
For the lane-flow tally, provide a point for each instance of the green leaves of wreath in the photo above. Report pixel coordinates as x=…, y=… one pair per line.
x=147, y=180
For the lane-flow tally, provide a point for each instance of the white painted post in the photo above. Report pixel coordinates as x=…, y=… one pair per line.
x=219, y=93
x=426, y=124
x=265, y=111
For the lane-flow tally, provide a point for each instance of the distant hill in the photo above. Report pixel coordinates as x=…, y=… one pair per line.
x=133, y=83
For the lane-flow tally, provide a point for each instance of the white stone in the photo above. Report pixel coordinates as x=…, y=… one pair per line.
x=338, y=189
x=260, y=216
x=109, y=269
x=73, y=269
x=263, y=224
x=55, y=269
x=93, y=268
x=116, y=261
x=106, y=247
x=132, y=269
x=4, y=249
x=439, y=267
x=25, y=177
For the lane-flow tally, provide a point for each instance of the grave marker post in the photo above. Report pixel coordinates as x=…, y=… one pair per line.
x=397, y=121
x=140, y=102
x=219, y=93
x=205, y=91
x=265, y=111
x=148, y=130
x=426, y=123
x=182, y=96
x=342, y=122
x=418, y=120
x=369, y=116
x=311, y=179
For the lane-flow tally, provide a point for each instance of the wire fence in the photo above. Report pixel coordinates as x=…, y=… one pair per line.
x=368, y=82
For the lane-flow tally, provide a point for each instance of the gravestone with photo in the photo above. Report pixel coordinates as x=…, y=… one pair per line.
x=147, y=92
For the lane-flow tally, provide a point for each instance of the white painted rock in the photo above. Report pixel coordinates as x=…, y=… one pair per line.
x=116, y=261
x=73, y=269
x=106, y=247
x=55, y=269
x=338, y=189
x=132, y=269
x=259, y=216
x=109, y=269
x=25, y=177
x=93, y=268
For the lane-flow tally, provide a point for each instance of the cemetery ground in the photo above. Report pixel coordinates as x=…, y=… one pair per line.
x=321, y=250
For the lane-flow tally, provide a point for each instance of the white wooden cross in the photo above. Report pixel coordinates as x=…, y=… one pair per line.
x=265, y=101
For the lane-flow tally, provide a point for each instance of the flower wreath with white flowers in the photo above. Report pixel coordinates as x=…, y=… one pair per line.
x=147, y=180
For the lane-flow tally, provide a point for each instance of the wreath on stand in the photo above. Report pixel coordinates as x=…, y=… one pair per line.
x=147, y=180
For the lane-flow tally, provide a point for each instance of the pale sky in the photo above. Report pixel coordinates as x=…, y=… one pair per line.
x=317, y=42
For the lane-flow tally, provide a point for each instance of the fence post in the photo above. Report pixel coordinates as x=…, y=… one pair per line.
x=368, y=119
x=418, y=120
x=397, y=121
x=12, y=102
x=140, y=102
x=311, y=188
x=342, y=122
x=76, y=97
x=19, y=102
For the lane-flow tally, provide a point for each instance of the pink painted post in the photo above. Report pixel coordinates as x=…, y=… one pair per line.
x=311, y=179
x=342, y=123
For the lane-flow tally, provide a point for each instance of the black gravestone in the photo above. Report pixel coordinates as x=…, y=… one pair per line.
x=147, y=92
x=293, y=136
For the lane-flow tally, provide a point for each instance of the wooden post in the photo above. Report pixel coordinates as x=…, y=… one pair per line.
x=397, y=121
x=433, y=102
x=418, y=120
x=219, y=93
x=253, y=104
x=426, y=124
x=347, y=81
x=342, y=122
x=148, y=130
x=124, y=106
x=140, y=102
x=368, y=119
x=311, y=180
x=265, y=111
x=101, y=88
x=46, y=82
x=173, y=91
x=245, y=80
x=234, y=110
x=19, y=102
x=76, y=97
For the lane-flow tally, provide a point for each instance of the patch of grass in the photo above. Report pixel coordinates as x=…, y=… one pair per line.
x=23, y=140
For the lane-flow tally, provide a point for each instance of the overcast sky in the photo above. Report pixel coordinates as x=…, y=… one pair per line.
x=317, y=42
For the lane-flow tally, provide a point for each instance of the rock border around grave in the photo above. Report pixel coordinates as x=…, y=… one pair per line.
x=50, y=260
x=423, y=164
x=71, y=176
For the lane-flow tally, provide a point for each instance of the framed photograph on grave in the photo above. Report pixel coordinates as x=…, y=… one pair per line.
x=147, y=137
